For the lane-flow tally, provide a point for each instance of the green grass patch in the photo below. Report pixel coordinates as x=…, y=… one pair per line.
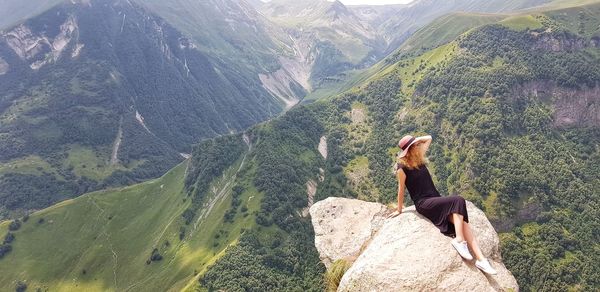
x=358, y=173
x=522, y=22
x=446, y=29
x=93, y=164
x=412, y=70
x=102, y=241
x=31, y=164
x=583, y=20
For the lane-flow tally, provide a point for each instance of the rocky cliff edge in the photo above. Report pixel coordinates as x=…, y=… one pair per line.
x=405, y=253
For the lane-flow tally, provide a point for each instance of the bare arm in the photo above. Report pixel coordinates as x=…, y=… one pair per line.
x=401, y=187
x=426, y=140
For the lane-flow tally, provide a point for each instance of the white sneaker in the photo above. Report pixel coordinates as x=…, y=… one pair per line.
x=462, y=249
x=485, y=266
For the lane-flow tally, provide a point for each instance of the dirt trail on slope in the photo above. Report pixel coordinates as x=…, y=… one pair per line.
x=105, y=233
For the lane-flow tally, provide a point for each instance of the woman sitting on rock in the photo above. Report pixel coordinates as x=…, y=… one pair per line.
x=448, y=214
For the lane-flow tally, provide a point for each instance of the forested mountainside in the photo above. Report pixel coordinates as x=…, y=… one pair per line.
x=105, y=93
x=513, y=109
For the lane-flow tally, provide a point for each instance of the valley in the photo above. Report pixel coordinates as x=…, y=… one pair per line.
x=97, y=122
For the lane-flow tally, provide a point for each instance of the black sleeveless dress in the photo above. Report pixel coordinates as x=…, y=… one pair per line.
x=428, y=201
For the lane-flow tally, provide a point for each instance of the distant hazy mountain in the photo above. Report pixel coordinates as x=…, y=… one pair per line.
x=335, y=36
x=397, y=22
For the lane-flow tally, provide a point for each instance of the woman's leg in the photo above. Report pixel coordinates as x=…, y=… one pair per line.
x=458, y=227
x=471, y=240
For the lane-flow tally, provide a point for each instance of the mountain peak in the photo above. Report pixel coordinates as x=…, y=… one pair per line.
x=337, y=8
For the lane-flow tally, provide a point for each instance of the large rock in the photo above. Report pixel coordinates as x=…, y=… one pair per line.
x=405, y=253
x=338, y=238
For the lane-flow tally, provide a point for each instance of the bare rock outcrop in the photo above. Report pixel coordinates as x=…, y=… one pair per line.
x=3, y=66
x=558, y=43
x=39, y=48
x=405, y=253
x=579, y=107
x=335, y=236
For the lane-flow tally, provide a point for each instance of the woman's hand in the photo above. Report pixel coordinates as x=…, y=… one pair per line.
x=395, y=213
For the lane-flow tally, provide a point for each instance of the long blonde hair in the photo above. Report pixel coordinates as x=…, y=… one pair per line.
x=415, y=157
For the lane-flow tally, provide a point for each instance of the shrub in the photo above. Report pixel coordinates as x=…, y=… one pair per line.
x=4, y=249
x=9, y=238
x=181, y=233
x=155, y=255
x=15, y=225
x=334, y=274
x=188, y=215
x=21, y=286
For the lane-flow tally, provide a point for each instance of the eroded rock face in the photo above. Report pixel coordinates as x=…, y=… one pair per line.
x=3, y=66
x=572, y=107
x=558, y=43
x=41, y=49
x=405, y=253
x=343, y=226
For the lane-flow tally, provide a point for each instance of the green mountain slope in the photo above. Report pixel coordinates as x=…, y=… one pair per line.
x=103, y=95
x=190, y=216
x=419, y=26
x=108, y=237
x=445, y=29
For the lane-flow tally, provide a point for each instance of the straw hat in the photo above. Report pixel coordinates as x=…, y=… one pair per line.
x=406, y=142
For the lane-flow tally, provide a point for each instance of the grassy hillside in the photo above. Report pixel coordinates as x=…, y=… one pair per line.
x=103, y=241
x=439, y=32
x=164, y=234
x=445, y=29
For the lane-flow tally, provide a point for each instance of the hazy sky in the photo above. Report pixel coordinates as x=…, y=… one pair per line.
x=374, y=2
x=362, y=2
